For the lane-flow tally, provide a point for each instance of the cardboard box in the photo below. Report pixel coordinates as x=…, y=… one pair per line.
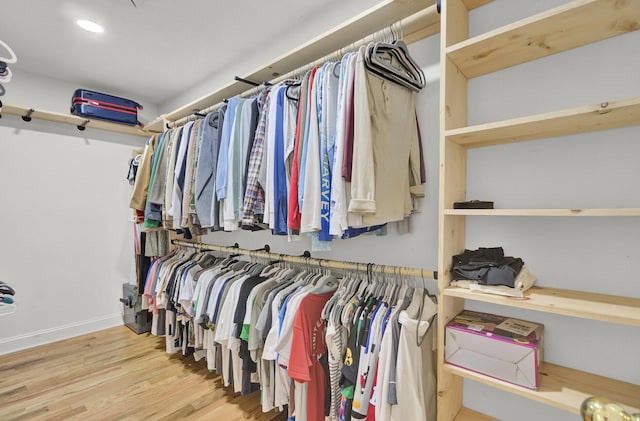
x=500, y=347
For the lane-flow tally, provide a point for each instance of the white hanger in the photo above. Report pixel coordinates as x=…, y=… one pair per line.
x=12, y=58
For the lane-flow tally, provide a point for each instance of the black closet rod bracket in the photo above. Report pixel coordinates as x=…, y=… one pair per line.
x=266, y=248
x=83, y=126
x=250, y=82
x=27, y=116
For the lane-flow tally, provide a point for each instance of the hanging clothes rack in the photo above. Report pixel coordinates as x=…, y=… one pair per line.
x=312, y=261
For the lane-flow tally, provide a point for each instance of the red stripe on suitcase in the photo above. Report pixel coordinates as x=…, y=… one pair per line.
x=105, y=105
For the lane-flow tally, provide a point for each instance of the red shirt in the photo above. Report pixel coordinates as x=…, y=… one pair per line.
x=306, y=348
x=293, y=210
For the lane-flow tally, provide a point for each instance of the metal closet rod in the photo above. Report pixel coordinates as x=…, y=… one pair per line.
x=393, y=30
x=322, y=263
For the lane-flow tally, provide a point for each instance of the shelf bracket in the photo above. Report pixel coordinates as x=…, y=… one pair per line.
x=27, y=116
x=83, y=126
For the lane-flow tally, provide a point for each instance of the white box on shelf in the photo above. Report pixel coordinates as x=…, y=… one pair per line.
x=500, y=347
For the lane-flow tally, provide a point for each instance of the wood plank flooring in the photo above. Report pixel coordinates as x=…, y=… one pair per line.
x=115, y=374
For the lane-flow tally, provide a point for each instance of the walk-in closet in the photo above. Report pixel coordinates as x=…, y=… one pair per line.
x=390, y=210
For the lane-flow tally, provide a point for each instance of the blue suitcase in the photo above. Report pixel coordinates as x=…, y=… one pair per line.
x=93, y=104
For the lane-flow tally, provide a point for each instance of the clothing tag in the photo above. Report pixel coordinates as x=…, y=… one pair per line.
x=477, y=328
x=519, y=327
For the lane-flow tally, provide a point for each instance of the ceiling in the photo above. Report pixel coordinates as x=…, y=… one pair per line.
x=156, y=49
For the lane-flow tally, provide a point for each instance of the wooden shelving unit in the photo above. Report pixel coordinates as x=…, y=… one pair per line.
x=573, y=25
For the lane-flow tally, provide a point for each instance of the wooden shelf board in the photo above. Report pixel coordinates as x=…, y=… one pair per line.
x=544, y=212
x=467, y=414
x=587, y=305
x=74, y=120
x=569, y=26
x=606, y=115
x=564, y=388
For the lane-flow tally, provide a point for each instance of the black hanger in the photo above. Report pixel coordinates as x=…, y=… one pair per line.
x=393, y=62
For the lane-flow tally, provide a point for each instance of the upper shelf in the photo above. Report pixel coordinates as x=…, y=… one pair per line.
x=74, y=120
x=606, y=115
x=588, y=305
x=569, y=26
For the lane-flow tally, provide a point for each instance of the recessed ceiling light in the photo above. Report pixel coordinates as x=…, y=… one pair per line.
x=90, y=26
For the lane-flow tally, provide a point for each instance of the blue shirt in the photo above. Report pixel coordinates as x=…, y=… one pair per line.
x=223, y=153
x=280, y=176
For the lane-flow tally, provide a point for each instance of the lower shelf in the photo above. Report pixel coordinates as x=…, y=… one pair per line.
x=466, y=414
x=564, y=388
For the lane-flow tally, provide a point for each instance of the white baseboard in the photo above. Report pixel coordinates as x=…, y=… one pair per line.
x=41, y=337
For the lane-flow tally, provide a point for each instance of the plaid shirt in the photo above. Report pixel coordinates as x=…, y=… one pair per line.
x=254, y=195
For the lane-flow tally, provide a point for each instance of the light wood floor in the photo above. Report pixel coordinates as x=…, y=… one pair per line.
x=116, y=375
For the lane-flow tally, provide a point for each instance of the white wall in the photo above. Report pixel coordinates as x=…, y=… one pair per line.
x=295, y=31
x=67, y=245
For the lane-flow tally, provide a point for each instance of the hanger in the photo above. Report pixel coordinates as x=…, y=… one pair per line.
x=382, y=60
x=12, y=56
x=294, y=96
x=326, y=283
x=392, y=62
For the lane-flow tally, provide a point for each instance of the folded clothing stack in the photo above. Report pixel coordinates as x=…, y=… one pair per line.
x=489, y=270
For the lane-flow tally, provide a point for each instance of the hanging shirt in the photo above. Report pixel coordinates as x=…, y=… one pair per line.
x=179, y=176
x=327, y=145
x=141, y=185
x=290, y=121
x=206, y=170
x=338, y=213
x=306, y=348
x=223, y=154
x=176, y=138
x=310, y=124
x=385, y=174
x=293, y=212
x=280, y=176
x=187, y=196
x=253, y=205
x=153, y=210
x=310, y=171
x=234, y=168
x=267, y=171
x=417, y=390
